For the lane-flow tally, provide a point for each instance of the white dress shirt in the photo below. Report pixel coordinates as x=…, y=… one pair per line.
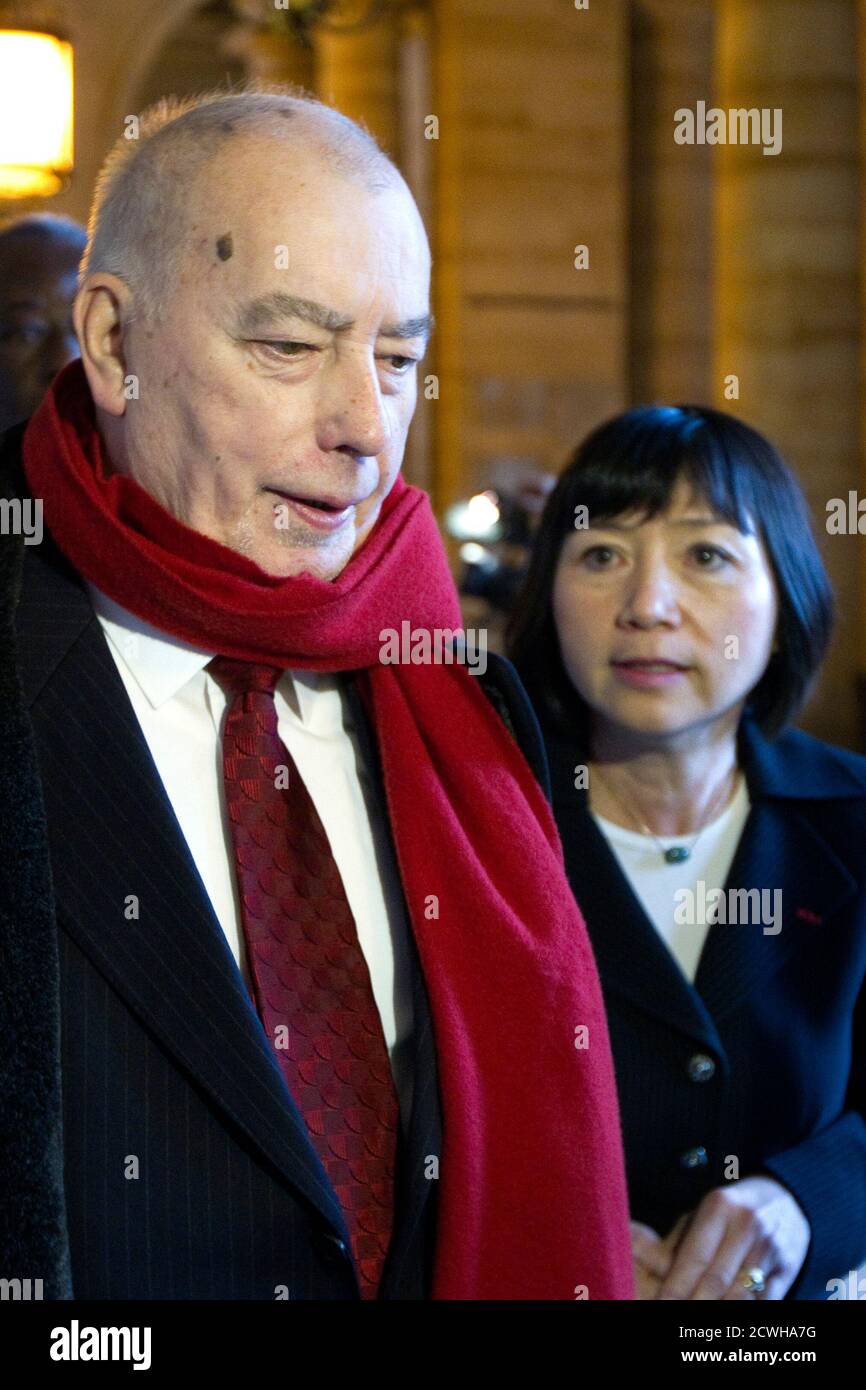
x=180, y=706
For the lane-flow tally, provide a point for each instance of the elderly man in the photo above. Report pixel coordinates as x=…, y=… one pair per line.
x=291, y=936
x=39, y=256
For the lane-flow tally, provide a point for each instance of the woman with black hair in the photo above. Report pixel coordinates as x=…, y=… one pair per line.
x=674, y=616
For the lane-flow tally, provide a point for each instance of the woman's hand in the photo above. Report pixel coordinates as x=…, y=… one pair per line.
x=753, y=1222
x=653, y=1256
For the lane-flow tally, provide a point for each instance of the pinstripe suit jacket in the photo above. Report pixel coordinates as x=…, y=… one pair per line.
x=180, y=1167
x=762, y=1058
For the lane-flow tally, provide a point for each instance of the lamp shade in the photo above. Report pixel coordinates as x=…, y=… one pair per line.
x=36, y=109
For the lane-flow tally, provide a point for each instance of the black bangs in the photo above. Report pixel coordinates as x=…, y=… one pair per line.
x=633, y=464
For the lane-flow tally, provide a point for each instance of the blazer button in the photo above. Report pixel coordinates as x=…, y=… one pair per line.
x=694, y=1158
x=701, y=1067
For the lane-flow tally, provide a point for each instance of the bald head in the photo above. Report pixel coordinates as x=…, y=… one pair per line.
x=151, y=189
x=266, y=403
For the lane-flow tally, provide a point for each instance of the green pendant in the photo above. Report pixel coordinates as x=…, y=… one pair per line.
x=676, y=854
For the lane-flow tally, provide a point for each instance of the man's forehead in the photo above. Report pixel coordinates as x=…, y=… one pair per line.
x=265, y=196
x=261, y=180
x=315, y=246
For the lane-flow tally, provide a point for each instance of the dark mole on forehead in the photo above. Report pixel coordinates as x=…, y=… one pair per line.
x=224, y=246
x=228, y=127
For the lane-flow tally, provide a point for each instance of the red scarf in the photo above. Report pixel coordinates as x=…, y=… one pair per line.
x=532, y=1196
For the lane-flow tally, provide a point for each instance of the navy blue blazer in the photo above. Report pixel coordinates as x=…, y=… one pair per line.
x=763, y=1059
x=179, y=1166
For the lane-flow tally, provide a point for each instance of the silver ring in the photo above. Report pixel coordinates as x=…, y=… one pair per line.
x=754, y=1279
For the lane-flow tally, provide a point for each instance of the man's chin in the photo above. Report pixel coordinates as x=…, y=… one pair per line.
x=285, y=554
x=289, y=561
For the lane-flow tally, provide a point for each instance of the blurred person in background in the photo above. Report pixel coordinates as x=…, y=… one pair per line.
x=675, y=614
x=495, y=563
x=495, y=528
x=39, y=258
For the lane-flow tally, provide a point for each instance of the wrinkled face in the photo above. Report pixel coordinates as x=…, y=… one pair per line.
x=277, y=389
x=664, y=624
x=37, y=288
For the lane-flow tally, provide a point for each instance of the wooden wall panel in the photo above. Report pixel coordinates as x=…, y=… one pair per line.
x=531, y=161
x=671, y=190
x=788, y=278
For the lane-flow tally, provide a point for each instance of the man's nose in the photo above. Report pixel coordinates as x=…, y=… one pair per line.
x=352, y=413
x=651, y=596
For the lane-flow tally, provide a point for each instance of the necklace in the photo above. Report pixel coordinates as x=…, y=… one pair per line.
x=672, y=854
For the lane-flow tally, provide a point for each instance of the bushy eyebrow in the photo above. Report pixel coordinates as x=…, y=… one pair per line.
x=420, y=327
x=267, y=311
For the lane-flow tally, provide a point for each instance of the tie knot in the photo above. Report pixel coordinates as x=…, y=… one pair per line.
x=241, y=676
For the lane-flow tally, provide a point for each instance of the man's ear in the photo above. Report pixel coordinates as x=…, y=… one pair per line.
x=100, y=314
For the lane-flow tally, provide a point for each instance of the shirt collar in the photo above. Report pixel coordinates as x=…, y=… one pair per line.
x=161, y=664
x=158, y=662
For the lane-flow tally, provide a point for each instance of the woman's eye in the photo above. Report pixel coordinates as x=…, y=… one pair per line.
x=710, y=557
x=598, y=557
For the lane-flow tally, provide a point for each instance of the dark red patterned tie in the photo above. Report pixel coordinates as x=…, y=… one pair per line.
x=312, y=982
